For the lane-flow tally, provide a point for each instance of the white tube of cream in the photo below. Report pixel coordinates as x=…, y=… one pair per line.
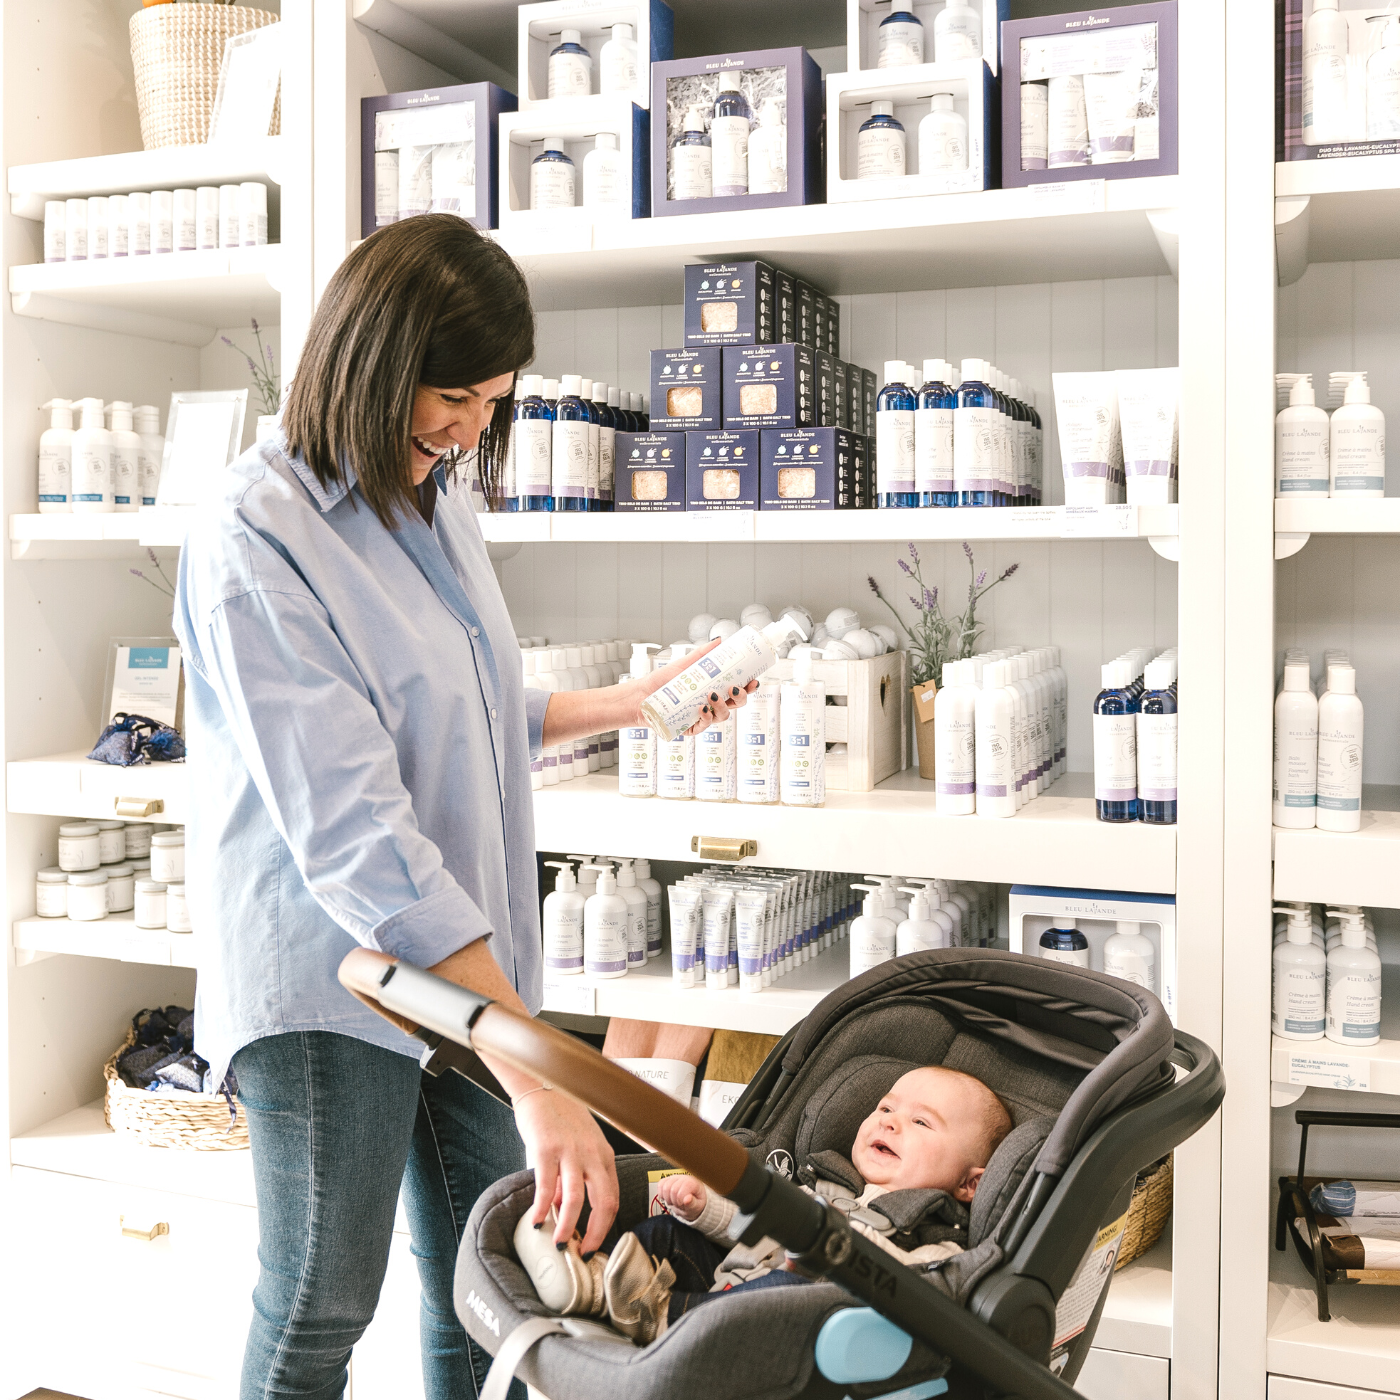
x=686, y=953
x=1111, y=103
x=1147, y=411
x=1086, y=413
x=1068, y=124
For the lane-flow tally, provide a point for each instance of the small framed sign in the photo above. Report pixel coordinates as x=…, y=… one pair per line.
x=144, y=677
x=248, y=81
x=202, y=435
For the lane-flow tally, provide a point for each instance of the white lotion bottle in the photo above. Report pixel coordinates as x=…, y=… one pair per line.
x=126, y=458
x=1324, y=75
x=562, y=918
x=92, y=462
x=1302, y=444
x=605, y=923
x=692, y=159
x=758, y=744
x=872, y=935
x=955, y=741
x=768, y=151
x=1353, y=986
x=1383, y=86
x=1300, y=980
x=942, y=137
x=617, y=62
x=802, y=720
x=146, y=418
x=636, y=758
x=652, y=890
x=1295, y=750
x=1339, y=738
x=995, y=746
x=675, y=758
x=604, y=189
x=56, y=460
x=1130, y=955
x=957, y=33
x=921, y=930
x=1358, y=443
x=636, y=901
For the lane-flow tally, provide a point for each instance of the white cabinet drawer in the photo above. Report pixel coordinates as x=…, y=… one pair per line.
x=1115, y=1375
x=72, y=785
x=1292, y=1388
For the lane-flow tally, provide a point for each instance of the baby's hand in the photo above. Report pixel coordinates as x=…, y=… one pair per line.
x=684, y=1196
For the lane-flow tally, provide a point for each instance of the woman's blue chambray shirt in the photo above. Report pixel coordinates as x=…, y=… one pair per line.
x=359, y=739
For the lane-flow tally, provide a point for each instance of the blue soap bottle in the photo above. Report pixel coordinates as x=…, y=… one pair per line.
x=1115, y=745
x=1157, y=745
x=894, y=439
x=900, y=39
x=532, y=408
x=571, y=428
x=973, y=427
x=937, y=393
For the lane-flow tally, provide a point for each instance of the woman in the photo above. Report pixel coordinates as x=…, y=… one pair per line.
x=360, y=736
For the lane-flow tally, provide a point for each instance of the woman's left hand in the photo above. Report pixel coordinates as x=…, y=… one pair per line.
x=719, y=704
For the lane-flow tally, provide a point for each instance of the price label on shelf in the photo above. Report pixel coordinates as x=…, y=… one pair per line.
x=571, y=995
x=1070, y=197
x=1100, y=522
x=1327, y=1071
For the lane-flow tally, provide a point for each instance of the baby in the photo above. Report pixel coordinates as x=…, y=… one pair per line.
x=934, y=1131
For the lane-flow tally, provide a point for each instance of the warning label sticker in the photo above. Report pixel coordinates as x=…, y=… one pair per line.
x=1079, y=1300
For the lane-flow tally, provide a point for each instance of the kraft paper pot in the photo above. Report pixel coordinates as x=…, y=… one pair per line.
x=923, y=728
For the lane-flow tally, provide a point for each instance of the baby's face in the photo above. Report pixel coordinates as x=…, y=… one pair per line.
x=924, y=1134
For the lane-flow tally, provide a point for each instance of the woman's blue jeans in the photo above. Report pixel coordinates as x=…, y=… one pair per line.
x=337, y=1127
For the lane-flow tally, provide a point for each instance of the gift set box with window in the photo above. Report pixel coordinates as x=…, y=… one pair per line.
x=864, y=19
x=541, y=28
x=433, y=150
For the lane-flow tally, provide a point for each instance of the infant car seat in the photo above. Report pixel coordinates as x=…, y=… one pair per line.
x=1088, y=1068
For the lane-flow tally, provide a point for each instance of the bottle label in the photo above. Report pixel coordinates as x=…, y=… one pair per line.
x=594, y=459
x=879, y=153
x=1035, y=125
x=942, y=144
x=602, y=179
x=955, y=744
x=605, y=947
x=899, y=43
x=563, y=938
x=933, y=449
x=617, y=67
x=55, y=474
x=1339, y=771
x=894, y=450
x=636, y=762
x=1358, y=455
x=551, y=185
x=974, y=449
x=570, y=75
x=1130, y=967
x=1156, y=758
x=957, y=36
x=1354, y=1006
x=92, y=475
x=148, y=472
x=1300, y=1000
x=125, y=477
x=570, y=458
x=768, y=160
x=692, y=169
x=1115, y=758
x=675, y=767
x=802, y=757
x=715, y=770
x=1301, y=454
x=729, y=148
x=607, y=458
x=533, y=467
x=994, y=752
x=1383, y=96
x=1295, y=764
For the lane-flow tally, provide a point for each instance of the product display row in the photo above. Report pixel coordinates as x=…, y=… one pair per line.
x=1118, y=435
x=1317, y=455
x=1348, y=90
x=112, y=867
x=1135, y=732
x=165, y=221
x=1318, y=745
x=100, y=466
x=1327, y=975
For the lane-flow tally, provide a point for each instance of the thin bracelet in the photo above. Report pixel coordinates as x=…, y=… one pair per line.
x=538, y=1089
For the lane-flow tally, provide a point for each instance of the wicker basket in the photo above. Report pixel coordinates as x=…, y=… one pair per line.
x=176, y=51
x=1147, y=1215
x=199, y=1122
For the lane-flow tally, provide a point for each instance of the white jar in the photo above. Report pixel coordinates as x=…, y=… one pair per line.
x=111, y=841
x=177, y=909
x=78, y=846
x=87, y=895
x=140, y=867
x=121, y=887
x=137, y=840
x=51, y=893
x=168, y=856
x=150, y=904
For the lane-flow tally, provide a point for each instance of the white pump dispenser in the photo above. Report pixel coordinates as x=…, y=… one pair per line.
x=1131, y=955
x=1300, y=979
x=605, y=924
x=802, y=722
x=872, y=935
x=1302, y=441
x=636, y=914
x=562, y=917
x=56, y=460
x=92, y=463
x=652, y=889
x=146, y=418
x=636, y=759
x=1353, y=985
x=921, y=930
x=126, y=458
x=1358, y=439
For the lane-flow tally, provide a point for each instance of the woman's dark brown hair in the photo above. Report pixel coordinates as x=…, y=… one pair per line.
x=428, y=301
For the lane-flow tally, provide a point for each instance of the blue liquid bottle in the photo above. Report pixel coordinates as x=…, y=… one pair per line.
x=894, y=439
x=933, y=436
x=1065, y=944
x=1001, y=423
x=900, y=39
x=1157, y=745
x=569, y=475
x=534, y=423
x=974, y=438
x=1020, y=437
x=603, y=398
x=552, y=183
x=729, y=137
x=595, y=430
x=1115, y=746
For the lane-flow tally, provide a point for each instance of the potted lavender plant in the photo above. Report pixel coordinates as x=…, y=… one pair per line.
x=263, y=370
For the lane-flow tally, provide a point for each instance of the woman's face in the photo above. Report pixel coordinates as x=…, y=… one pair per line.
x=444, y=419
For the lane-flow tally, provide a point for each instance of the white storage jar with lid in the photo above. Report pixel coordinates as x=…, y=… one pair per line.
x=137, y=839
x=78, y=846
x=150, y=904
x=111, y=842
x=87, y=895
x=168, y=857
x=51, y=893
x=121, y=887
x=177, y=909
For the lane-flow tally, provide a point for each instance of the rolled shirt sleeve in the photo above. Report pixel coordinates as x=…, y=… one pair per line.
x=536, y=703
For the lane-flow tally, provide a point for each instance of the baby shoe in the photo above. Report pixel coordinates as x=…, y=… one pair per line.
x=566, y=1283
x=637, y=1290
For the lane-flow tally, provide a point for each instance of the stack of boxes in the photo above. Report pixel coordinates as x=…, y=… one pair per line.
x=756, y=411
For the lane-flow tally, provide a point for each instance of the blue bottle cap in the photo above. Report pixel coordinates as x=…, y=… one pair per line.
x=1064, y=940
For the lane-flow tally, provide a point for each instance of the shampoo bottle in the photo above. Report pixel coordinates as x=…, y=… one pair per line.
x=955, y=741
x=1324, y=75
x=552, y=177
x=652, y=889
x=1383, y=85
x=534, y=447
x=570, y=448
x=570, y=72
x=974, y=434
x=1130, y=954
x=933, y=436
x=56, y=460
x=1295, y=749
x=921, y=930
x=636, y=915
x=729, y=136
x=1302, y=443
x=899, y=41
x=942, y=137
x=126, y=454
x=880, y=151
x=803, y=724
x=1300, y=980
x=872, y=935
x=1353, y=986
x=768, y=151
x=894, y=438
x=994, y=743
x=1115, y=745
x=607, y=444
x=1358, y=441
x=675, y=757
x=562, y=918
x=617, y=61
x=692, y=159
x=92, y=463
x=605, y=923
x=1339, y=736
x=957, y=33
x=1156, y=745
x=605, y=190
x=757, y=744
x=636, y=766
x=1065, y=944
x=716, y=771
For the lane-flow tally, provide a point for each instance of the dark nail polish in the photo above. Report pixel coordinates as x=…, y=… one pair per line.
x=589, y=1255
x=562, y=1246
x=714, y=695
x=734, y=690
x=540, y=1226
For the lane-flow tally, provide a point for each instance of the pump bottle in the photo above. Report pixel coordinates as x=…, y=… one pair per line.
x=562, y=918
x=92, y=463
x=636, y=900
x=1295, y=749
x=942, y=137
x=957, y=33
x=617, y=61
x=899, y=41
x=126, y=458
x=921, y=930
x=652, y=890
x=1300, y=980
x=552, y=177
x=605, y=928
x=1130, y=954
x=1357, y=459
x=1302, y=443
x=802, y=720
x=56, y=460
x=1339, y=739
x=768, y=151
x=636, y=767
x=872, y=935
x=1353, y=986
x=880, y=152
x=1324, y=75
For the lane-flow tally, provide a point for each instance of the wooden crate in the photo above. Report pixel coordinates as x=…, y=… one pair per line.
x=867, y=709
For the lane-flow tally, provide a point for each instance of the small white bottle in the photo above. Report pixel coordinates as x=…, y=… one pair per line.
x=126, y=458
x=802, y=725
x=1325, y=97
x=186, y=225
x=230, y=221
x=252, y=213
x=1358, y=442
x=75, y=247
x=604, y=188
x=1300, y=980
x=1383, y=85
x=55, y=231
x=957, y=33
x=552, y=177
x=636, y=759
x=880, y=152
x=692, y=159
x=1339, y=738
x=652, y=889
x=138, y=228
x=636, y=915
x=92, y=462
x=118, y=227
x=872, y=935
x=1130, y=954
x=757, y=744
x=56, y=460
x=955, y=741
x=942, y=137
x=924, y=928
x=768, y=151
x=206, y=213
x=716, y=766
x=1295, y=749
x=1302, y=444
x=617, y=61
x=994, y=743
x=1353, y=986
x=570, y=72
x=97, y=227
x=605, y=924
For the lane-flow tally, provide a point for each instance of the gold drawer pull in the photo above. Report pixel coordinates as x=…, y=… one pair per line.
x=723, y=847
x=139, y=806
x=159, y=1228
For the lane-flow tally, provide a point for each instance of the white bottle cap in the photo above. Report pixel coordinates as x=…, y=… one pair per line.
x=1358, y=391
x=894, y=371
x=572, y=385
x=729, y=82
x=585, y=388
x=641, y=658
x=1158, y=675
x=882, y=109
x=92, y=412
x=551, y=389
x=571, y=36
x=533, y=384
x=622, y=31
x=994, y=675
x=1302, y=392
x=554, y=143
x=573, y=657
x=1296, y=676
x=972, y=371
x=61, y=412
x=772, y=113
x=695, y=119
x=941, y=102
x=564, y=881
x=527, y=663
x=605, y=141
x=121, y=415
x=1341, y=680
x=600, y=391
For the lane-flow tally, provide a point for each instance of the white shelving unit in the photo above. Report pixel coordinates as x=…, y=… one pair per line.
x=115, y=937
x=125, y=536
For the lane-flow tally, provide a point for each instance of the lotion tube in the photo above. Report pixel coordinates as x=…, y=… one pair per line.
x=1111, y=105
x=1086, y=408
x=1147, y=416
x=686, y=953
x=717, y=915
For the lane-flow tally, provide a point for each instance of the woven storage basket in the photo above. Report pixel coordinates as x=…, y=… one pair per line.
x=195, y=1121
x=1147, y=1215
x=176, y=51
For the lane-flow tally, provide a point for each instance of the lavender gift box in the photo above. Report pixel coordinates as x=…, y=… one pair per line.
x=790, y=76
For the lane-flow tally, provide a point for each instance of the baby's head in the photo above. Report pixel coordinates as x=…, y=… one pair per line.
x=936, y=1129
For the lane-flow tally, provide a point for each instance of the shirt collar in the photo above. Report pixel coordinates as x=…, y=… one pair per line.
x=326, y=498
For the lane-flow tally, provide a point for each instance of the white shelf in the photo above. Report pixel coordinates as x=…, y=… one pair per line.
x=1137, y=1314
x=1356, y=867
x=993, y=237
x=1372, y=1069
x=182, y=297
x=1335, y=516
x=124, y=535
x=115, y=937
x=165, y=168
x=1054, y=840
x=1360, y=1346
x=1353, y=212
x=72, y=785
x=803, y=527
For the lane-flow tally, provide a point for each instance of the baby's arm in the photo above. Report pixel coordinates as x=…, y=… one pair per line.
x=689, y=1200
